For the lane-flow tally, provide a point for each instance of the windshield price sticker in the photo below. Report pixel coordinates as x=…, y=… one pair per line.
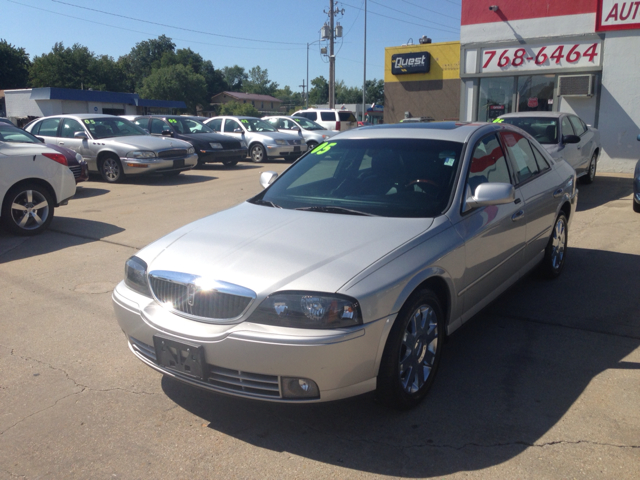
x=244, y=120
x=88, y=122
x=542, y=57
x=323, y=148
x=172, y=120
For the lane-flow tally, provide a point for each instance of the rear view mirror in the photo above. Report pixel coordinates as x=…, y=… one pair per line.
x=267, y=178
x=570, y=139
x=490, y=194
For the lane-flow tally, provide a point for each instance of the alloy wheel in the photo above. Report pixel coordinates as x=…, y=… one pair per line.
x=418, y=349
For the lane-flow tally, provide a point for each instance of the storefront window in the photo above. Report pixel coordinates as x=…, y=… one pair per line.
x=496, y=97
x=535, y=93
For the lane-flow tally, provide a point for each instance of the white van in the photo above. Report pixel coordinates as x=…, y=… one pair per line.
x=331, y=119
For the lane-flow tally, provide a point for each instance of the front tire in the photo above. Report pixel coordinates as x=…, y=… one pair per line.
x=412, y=353
x=258, y=153
x=556, y=251
x=27, y=209
x=591, y=174
x=111, y=169
x=636, y=206
x=230, y=163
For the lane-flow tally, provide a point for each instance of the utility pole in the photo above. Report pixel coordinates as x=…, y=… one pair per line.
x=332, y=60
x=364, y=80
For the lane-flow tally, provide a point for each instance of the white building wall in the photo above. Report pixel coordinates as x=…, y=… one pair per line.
x=619, y=119
x=19, y=104
x=74, y=106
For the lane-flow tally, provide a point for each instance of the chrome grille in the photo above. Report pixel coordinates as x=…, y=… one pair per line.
x=176, y=152
x=185, y=293
x=225, y=379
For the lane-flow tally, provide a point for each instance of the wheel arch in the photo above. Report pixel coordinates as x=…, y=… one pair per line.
x=103, y=154
x=38, y=181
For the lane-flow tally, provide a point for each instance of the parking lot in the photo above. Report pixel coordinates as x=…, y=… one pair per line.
x=544, y=383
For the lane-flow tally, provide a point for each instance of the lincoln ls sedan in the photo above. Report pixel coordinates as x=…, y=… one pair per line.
x=347, y=272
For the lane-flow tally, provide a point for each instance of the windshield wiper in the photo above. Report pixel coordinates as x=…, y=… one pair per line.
x=331, y=209
x=266, y=203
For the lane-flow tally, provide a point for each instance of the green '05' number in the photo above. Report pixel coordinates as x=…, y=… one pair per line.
x=323, y=148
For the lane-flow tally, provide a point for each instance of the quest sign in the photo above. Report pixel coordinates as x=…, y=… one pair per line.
x=617, y=15
x=416, y=62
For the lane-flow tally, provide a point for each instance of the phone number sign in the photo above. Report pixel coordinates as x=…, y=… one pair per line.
x=541, y=57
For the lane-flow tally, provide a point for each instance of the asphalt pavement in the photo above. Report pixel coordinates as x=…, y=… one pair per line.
x=544, y=383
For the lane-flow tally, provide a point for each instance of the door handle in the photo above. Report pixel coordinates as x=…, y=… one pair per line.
x=518, y=215
x=60, y=143
x=557, y=193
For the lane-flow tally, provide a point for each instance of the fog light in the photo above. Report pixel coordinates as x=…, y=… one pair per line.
x=299, y=388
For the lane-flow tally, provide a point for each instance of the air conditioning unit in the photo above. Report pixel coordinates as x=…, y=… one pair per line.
x=575, y=85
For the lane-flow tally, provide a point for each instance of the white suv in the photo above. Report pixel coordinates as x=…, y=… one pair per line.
x=337, y=120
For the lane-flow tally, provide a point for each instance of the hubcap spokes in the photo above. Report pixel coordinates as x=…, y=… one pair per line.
x=111, y=168
x=558, y=244
x=29, y=209
x=418, y=349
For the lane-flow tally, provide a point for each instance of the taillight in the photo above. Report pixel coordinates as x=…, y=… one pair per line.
x=57, y=157
x=338, y=125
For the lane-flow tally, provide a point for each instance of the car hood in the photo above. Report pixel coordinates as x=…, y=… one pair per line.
x=269, y=249
x=145, y=142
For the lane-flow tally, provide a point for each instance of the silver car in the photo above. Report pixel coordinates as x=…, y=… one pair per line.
x=263, y=139
x=115, y=147
x=346, y=274
x=565, y=136
x=636, y=186
x=313, y=133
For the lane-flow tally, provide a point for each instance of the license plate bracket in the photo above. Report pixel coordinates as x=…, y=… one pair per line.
x=182, y=357
x=178, y=163
x=296, y=149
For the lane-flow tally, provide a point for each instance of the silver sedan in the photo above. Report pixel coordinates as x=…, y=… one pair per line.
x=115, y=147
x=346, y=274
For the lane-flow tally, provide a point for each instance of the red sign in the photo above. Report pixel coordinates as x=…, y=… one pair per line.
x=617, y=15
x=532, y=102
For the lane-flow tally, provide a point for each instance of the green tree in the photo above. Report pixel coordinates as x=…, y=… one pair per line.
x=235, y=77
x=241, y=109
x=374, y=92
x=75, y=67
x=176, y=82
x=15, y=64
x=187, y=57
x=346, y=94
x=143, y=59
x=289, y=98
x=258, y=82
x=319, y=93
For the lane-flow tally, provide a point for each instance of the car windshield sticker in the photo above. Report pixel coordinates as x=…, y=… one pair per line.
x=87, y=122
x=498, y=120
x=172, y=120
x=323, y=148
x=244, y=121
x=90, y=122
x=449, y=162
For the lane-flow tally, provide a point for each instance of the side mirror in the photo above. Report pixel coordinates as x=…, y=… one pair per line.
x=490, y=194
x=570, y=139
x=80, y=135
x=296, y=129
x=238, y=130
x=167, y=133
x=267, y=178
x=42, y=139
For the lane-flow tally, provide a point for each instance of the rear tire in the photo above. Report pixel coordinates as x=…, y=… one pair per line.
x=556, y=251
x=111, y=169
x=412, y=353
x=591, y=173
x=27, y=209
x=636, y=206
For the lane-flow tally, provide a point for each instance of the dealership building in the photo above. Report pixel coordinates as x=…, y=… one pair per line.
x=578, y=56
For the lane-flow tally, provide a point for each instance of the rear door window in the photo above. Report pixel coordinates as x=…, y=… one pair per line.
x=49, y=127
x=328, y=116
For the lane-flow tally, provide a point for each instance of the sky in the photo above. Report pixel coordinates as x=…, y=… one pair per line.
x=272, y=34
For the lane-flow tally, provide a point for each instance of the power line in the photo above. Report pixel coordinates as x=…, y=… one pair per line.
x=432, y=11
x=147, y=33
x=449, y=29
x=177, y=28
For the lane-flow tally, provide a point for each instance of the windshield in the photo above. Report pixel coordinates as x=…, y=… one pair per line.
x=12, y=134
x=257, y=125
x=543, y=129
x=307, y=124
x=386, y=177
x=188, y=125
x=105, y=127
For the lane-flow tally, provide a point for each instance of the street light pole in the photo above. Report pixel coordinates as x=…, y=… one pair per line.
x=364, y=80
x=307, y=96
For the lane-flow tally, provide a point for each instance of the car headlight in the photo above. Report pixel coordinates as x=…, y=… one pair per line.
x=324, y=137
x=135, y=276
x=215, y=145
x=79, y=158
x=191, y=150
x=141, y=154
x=281, y=142
x=308, y=310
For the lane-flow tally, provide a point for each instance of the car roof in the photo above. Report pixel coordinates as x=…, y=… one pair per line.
x=451, y=131
x=85, y=115
x=534, y=114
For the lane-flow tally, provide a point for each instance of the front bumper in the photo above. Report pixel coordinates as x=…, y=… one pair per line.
x=137, y=166
x=211, y=156
x=286, y=150
x=250, y=360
